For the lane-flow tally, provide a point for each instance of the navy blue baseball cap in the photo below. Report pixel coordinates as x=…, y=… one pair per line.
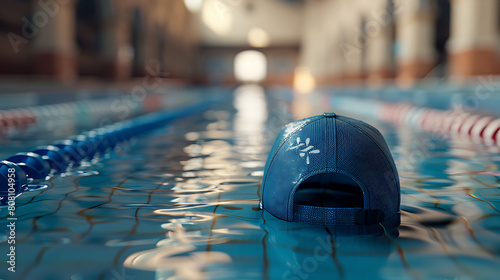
x=332, y=170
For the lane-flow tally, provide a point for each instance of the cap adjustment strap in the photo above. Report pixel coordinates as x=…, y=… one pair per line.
x=336, y=216
x=369, y=217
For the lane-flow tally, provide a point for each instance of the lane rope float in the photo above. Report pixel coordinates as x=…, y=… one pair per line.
x=21, y=170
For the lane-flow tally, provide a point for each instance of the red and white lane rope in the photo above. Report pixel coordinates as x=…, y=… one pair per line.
x=478, y=128
x=458, y=124
x=87, y=113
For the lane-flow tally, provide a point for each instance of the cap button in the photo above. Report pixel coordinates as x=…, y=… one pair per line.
x=329, y=115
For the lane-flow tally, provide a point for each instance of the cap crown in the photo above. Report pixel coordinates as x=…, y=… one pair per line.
x=330, y=144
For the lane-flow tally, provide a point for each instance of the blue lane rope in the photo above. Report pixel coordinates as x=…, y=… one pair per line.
x=34, y=167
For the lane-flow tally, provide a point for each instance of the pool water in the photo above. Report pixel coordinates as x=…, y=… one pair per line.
x=182, y=202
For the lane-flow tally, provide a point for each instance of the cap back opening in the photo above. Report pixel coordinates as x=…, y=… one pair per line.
x=329, y=190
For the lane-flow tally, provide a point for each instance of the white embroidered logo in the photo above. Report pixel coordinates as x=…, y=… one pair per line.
x=304, y=149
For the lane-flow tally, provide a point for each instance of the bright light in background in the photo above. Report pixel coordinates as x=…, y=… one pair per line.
x=193, y=6
x=217, y=16
x=303, y=82
x=258, y=38
x=250, y=66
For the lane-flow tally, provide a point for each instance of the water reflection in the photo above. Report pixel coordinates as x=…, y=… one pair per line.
x=442, y=216
x=184, y=203
x=218, y=184
x=215, y=228
x=249, y=123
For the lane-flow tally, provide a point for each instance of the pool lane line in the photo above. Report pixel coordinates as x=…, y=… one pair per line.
x=88, y=218
x=43, y=162
x=334, y=255
x=468, y=191
x=460, y=266
x=116, y=259
x=214, y=220
x=39, y=256
x=34, y=228
x=472, y=233
x=400, y=251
